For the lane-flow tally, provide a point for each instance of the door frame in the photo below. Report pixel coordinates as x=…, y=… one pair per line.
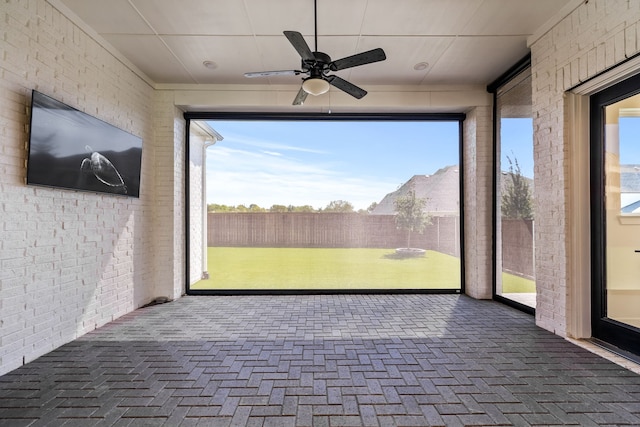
x=618, y=334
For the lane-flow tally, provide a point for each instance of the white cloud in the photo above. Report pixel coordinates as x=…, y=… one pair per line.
x=236, y=176
x=268, y=145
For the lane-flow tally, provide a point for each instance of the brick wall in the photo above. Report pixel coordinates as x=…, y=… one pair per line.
x=597, y=35
x=168, y=214
x=477, y=152
x=69, y=261
x=179, y=179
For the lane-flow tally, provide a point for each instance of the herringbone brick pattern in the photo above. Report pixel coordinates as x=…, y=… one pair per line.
x=321, y=360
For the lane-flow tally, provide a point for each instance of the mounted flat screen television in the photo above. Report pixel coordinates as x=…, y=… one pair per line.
x=71, y=149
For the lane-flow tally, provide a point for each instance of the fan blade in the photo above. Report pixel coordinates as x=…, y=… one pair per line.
x=300, y=45
x=347, y=87
x=367, y=57
x=273, y=73
x=300, y=97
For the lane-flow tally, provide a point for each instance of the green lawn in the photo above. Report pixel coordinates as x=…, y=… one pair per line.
x=516, y=284
x=320, y=268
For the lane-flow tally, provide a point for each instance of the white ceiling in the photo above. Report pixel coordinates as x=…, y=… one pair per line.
x=465, y=42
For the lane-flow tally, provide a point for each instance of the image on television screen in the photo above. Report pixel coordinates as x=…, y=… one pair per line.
x=71, y=149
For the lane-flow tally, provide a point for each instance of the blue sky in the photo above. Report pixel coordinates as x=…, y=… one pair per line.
x=315, y=162
x=629, y=128
x=517, y=143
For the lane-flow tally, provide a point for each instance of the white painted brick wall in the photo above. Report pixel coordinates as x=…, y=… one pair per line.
x=168, y=219
x=71, y=261
x=478, y=160
x=179, y=181
x=597, y=35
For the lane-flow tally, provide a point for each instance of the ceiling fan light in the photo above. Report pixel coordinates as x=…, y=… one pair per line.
x=315, y=86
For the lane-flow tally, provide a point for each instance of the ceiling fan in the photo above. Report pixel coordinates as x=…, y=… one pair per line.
x=317, y=66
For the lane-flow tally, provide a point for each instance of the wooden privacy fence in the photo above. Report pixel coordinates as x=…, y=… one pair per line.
x=327, y=230
x=352, y=230
x=517, y=247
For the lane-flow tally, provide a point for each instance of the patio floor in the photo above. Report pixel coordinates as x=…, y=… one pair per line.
x=321, y=360
x=528, y=299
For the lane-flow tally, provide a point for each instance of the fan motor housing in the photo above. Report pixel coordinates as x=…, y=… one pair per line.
x=321, y=60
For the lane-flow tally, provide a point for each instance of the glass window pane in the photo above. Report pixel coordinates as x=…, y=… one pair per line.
x=515, y=218
x=333, y=205
x=622, y=203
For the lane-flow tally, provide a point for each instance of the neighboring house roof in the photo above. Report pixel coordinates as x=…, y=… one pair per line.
x=441, y=190
x=630, y=188
x=630, y=178
x=632, y=207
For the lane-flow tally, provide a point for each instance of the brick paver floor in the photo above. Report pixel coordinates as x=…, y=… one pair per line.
x=321, y=360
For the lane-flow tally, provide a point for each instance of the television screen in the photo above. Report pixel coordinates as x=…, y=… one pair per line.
x=71, y=149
